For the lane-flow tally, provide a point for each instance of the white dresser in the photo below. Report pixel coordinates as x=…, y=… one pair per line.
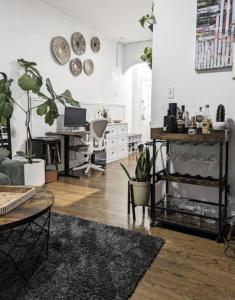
x=117, y=141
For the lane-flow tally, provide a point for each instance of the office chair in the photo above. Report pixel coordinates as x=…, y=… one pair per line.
x=95, y=143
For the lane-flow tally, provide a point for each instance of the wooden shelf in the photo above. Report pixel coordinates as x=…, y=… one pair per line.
x=214, y=137
x=209, y=182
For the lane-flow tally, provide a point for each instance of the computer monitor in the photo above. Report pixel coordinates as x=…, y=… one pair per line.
x=74, y=117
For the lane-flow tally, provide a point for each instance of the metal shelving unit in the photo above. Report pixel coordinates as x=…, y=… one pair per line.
x=191, y=213
x=5, y=137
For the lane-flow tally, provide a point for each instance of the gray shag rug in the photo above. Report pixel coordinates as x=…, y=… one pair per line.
x=88, y=260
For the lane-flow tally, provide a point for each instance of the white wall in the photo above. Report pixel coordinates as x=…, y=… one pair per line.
x=26, y=29
x=132, y=53
x=173, y=66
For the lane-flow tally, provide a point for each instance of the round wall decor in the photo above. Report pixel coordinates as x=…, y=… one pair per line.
x=88, y=67
x=78, y=43
x=61, y=50
x=76, y=66
x=95, y=44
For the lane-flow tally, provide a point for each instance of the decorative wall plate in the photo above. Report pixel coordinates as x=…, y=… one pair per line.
x=78, y=43
x=61, y=50
x=76, y=66
x=95, y=44
x=88, y=67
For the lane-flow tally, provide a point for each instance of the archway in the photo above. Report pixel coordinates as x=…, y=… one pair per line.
x=137, y=90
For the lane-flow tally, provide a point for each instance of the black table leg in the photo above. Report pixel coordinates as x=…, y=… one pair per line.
x=66, y=155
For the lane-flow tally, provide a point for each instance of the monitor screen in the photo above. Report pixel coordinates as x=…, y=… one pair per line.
x=74, y=117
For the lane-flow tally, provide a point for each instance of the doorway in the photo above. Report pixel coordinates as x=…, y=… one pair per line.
x=145, y=108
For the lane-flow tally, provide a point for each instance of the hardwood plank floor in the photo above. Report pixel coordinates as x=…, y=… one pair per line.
x=188, y=267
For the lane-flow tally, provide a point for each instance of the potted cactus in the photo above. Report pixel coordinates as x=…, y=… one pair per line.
x=220, y=123
x=141, y=181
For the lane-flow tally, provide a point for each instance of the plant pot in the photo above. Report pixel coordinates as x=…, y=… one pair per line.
x=141, y=192
x=34, y=174
x=151, y=27
x=220, y=125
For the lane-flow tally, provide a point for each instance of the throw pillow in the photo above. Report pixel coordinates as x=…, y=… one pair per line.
x=4, y=153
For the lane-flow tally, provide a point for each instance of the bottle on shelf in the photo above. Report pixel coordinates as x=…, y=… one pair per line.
x=170, y=122
x=199, y=119
x=192, y=129
x=181, y=120
x=206, y=124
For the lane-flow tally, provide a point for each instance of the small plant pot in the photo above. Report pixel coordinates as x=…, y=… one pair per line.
x=220, y=125
x=141, y=192
x=151, y=27
x=34, y=174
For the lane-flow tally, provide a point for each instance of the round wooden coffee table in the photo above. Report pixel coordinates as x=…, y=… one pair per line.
x=29, y=224
x=33, y=208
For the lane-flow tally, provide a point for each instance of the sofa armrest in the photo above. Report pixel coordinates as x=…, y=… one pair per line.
x=14, y=170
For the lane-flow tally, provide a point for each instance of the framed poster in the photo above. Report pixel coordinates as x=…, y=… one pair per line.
x=215, y=34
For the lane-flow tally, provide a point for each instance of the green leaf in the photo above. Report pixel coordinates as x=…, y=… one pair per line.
x=37, y=79
x=68, y=98
x=27, y=83
x=42, y=95
x=125, y=170
x=21, y=154
x=34, y=79
x=6, y=108
x=26, y=156
x=42, y=109
x=50, y=88
x=26, y=64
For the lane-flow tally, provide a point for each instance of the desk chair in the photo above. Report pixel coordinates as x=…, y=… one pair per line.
x=95, y=143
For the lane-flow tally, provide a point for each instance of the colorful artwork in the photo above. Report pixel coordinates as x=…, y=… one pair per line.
x=215, y=34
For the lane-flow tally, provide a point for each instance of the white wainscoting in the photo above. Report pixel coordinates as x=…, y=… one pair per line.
x=39, y=128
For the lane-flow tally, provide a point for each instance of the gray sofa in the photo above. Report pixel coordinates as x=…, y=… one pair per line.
x=11, y=172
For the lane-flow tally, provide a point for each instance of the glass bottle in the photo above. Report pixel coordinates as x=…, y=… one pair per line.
x=200, y=118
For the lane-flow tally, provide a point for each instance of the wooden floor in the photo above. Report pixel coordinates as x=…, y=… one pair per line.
x=188, y=267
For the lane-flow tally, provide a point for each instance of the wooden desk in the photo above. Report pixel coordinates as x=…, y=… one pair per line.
x=66, y=134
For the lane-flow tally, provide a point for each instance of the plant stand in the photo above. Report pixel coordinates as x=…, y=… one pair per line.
x=131, y=202
x=173, y=213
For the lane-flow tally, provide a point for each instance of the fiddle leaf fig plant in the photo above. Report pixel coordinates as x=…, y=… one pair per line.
x=6, y=107
x=31, y=82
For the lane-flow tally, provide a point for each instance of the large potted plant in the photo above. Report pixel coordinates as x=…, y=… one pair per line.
x=148, y=20
x=31, y=83
x=141, y=180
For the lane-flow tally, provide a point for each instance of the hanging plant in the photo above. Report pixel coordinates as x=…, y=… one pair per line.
x=148, y=20
x=147, y=56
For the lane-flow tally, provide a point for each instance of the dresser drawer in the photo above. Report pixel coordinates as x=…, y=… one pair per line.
x=122, y=151
x=122, y=129
x=111, y=142
x=122, y=140
x=113, y=131
x=111, y=155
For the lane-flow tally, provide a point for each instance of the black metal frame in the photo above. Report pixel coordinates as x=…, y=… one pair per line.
x=39, y=238
x=223, y=191
x=131, y=202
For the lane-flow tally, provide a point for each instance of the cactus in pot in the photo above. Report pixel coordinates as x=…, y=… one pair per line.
x=141, y=180
x=220, y=123
x=220, y=116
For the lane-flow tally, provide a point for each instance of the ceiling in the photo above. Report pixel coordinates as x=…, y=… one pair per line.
x=117, y=19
